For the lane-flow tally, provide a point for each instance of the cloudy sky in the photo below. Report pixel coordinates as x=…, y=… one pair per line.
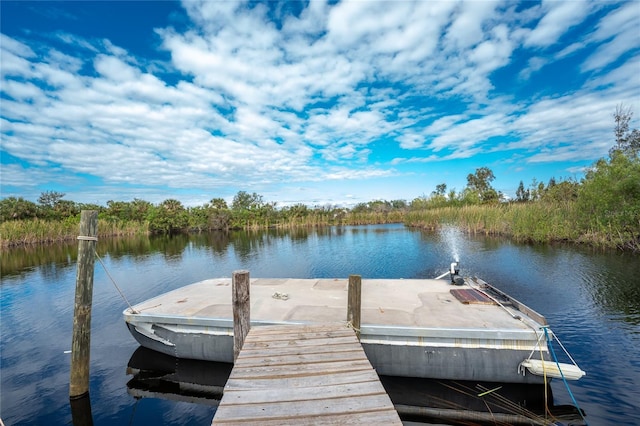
x=313, y=102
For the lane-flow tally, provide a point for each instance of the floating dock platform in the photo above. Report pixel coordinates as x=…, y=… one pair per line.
x=425, y=328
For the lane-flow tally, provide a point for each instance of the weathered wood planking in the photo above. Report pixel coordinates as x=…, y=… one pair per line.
x=304, y=374
x=471, y=296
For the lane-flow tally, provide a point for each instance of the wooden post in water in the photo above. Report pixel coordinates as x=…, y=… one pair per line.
x=80, y=345
x=240, y=284
x=354, y=303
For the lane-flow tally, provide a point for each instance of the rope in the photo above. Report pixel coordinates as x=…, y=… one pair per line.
x=133, y=412
x=280, y=296
x=133, y=311
x=85, y=238
x=563, y=348
x=553, y=353
x=350, y=325
x=544, y=371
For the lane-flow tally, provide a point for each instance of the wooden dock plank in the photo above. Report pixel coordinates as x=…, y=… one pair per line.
x=299, y=382
x=293, y=350
x=379, y=417
x=284, y=343
x=289, y=374
x=283, y=372
x=469, y=296
x=298, y=358
x=293, y=394
x=297, y=409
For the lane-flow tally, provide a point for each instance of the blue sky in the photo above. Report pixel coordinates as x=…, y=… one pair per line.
x=316, y=103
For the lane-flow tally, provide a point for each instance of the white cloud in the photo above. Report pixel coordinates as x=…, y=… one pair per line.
x=618, y=30
x=21, y=91
x=534, y=64
x=466, y=29
x=115, y=69
x=559, y=17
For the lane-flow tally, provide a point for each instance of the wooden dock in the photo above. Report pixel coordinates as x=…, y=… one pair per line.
x=304, y=374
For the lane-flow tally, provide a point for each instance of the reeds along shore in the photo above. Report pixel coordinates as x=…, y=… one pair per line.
x=523, y=222
x=531, y=222
x=17, y=233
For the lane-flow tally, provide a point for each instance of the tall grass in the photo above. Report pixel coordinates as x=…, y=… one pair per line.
x=537, y=222
x=530, y=222
x=38, y=231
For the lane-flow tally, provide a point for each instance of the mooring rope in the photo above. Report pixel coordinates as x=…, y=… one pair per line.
x=133, y=412
x=350, y=325
x=553, y=353
x=133, y=311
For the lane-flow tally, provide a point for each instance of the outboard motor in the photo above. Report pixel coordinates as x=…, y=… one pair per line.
x=455, y=274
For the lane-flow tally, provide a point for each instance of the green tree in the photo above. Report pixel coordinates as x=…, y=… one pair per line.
x=564, y=192
x=609, y=196
x=117, y=210
x=361, y=208
x=168, y=218
x=218, y=204
x=49, y=199
x=380, y=206
x=480, y=183
x=399, y=204
x=536, y=190
x=469, y=196
x=522, y=195
x=441, y=189
x=53, y=206
x=139, y=209
x=65, y=208
x=453, y=197
x=299, y=210
x=218, y=214
x=245, y=201
x=121, y=210
x=13, y=208
x=419, y=203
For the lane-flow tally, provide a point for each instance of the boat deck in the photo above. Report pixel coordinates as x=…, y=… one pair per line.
x=398, y=303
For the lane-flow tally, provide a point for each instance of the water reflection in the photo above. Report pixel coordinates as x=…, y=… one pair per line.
x=81, y=411
x=156, y=375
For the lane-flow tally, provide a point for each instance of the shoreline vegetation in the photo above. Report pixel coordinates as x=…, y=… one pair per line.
x=602, y=210
x=541, y=222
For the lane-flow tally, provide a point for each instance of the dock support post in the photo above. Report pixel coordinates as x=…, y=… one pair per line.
x=81, y=343
x=354, y=303
x=240, y=284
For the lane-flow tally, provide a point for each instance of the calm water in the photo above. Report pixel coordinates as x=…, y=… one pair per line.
x=591, y=300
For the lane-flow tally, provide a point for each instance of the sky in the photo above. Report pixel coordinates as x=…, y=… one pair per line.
x=307, y=102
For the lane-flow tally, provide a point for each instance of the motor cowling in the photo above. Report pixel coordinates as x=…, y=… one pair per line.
x=455, y=274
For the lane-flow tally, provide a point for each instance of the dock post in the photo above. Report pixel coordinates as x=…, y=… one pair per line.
x=354, y=303
x=81, y=343
x=240, y=285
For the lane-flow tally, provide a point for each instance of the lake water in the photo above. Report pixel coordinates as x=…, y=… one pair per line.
x=591, y=300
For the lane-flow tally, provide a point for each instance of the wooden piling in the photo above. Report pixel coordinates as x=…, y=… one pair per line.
x=354, y=303
x=80, y=345
x=240, y=285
